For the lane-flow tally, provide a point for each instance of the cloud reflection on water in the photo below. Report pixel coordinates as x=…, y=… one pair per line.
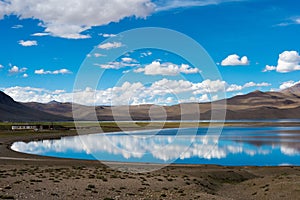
x=162, y=148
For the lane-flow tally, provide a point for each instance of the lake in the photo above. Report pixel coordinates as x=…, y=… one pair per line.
x=235, y=146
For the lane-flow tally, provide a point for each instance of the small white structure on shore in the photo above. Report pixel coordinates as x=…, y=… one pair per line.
x=26, y=127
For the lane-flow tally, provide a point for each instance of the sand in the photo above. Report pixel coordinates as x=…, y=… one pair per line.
x=25, y=176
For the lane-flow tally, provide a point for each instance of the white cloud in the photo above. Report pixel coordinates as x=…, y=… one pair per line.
x=288, y=84
x=126, y=71
x=269, y=68
x=17, y=26
x=60, y=71
x=126, y=94
x=203, y=98
x=25, y=75
x=235, y=88
x=111, y=65
x=29, y=94
x=16, y=70
x=125, y=62
x=110, y=45
x=252, y=84
x=288, y=61
x=28, y=43
x=239, y=93
x=209, y=86
x=69, y=18
x=1, y=66
x=292, y=21
x=166, y=86
x=146, y=54
x=167, y=69
x=40, y=71
x=160, y=92
x=128, y=60
x=235, y=60
x=97, y=55
x=171, y=4
x=40, y=34
x=106, y=35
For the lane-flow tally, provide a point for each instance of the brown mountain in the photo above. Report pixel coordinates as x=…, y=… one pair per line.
x=255, y=105
x=63, y=109
x=264, y=105
x=11, y=110
x=292, y=91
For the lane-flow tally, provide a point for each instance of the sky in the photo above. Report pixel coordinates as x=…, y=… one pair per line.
x=254, y=44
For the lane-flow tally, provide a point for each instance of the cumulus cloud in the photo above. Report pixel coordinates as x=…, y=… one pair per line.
x=252, y=84
x=269, y=68
x=167, y=69
x=166, y=86
x=30, y=94
x=235, y=60
x=28, y=43
x=25, y=75
x=288, y=84
x=160, y=92
x=60, y=71
x=69, y=19
x=235, y=88
x=288, y=61
x=126, y=94
x=1, y=66
x=209, y=86
x=16, y=70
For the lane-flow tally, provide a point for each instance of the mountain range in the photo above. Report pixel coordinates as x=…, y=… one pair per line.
x=284, y=104
x=11, y=110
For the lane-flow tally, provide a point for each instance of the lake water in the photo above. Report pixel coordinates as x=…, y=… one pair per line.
x=235, y=146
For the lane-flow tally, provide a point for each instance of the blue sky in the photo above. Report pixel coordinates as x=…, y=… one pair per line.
x=254, y=43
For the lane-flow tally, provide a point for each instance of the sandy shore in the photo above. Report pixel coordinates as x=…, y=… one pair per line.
x=25, y=176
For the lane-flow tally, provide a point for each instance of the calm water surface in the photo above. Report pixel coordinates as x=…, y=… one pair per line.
x=259, y=146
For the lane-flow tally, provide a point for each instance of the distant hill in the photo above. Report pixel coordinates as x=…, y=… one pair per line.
x=255, y=105
x=293, y=91
x=11, y=110
x=62, y=109
x=284, y=104
x=264, y=105
x=260, y=99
